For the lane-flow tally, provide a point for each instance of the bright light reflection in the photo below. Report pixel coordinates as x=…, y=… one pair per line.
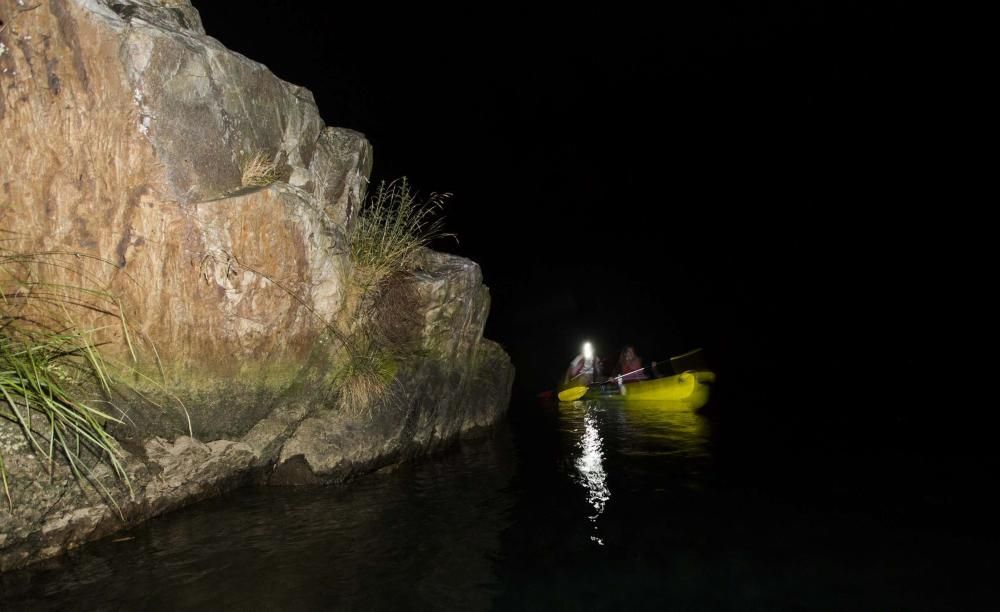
x=591, y=468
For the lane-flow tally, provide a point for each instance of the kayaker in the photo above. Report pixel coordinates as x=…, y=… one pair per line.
x=585, y=367
x=630, y=365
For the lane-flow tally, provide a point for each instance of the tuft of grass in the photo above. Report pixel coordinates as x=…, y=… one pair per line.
x=391, y=226
x=258, y=169
x=43, y=376
x=54, y=383
x=365, y=375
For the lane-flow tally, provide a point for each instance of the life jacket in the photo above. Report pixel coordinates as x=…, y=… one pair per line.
x=628, y=369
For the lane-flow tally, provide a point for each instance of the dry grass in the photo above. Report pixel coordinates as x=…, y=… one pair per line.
x=258, y=169
x=365, y=376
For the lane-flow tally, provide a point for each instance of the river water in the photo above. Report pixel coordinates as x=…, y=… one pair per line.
x=589, y=506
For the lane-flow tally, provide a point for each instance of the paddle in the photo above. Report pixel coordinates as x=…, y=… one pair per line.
x=691, y=360
x=573, y=393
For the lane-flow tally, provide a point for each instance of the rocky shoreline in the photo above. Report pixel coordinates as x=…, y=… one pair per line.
x=125, y=126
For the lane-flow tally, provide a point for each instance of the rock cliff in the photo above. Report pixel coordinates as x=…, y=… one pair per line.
x=126, y=135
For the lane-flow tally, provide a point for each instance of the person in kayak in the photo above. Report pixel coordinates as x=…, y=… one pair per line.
x=585, y=367
x=630, y=365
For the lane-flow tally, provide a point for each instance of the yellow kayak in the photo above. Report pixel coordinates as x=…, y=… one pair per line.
x=687, y=385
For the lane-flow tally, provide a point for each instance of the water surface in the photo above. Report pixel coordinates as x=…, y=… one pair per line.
x=583, y=506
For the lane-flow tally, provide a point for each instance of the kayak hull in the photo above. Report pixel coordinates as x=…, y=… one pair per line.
x=685, y=386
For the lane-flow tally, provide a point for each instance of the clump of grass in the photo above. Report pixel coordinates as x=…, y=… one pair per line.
x=42, y=378
x=391, y=227
x=48, y=365
x=258, y=169
x=365, y=375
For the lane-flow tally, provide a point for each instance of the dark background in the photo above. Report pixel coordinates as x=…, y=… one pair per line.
x=752, y=181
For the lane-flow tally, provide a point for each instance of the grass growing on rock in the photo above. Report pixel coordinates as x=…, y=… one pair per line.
x=54, y=384
x=365, y=376
x=258, y=169
x=42, y=376
x=392, y=226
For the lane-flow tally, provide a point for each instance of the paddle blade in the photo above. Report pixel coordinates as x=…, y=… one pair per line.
x=572, y=394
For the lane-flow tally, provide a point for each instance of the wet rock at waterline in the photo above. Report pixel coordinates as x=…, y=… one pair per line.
x=127, y=132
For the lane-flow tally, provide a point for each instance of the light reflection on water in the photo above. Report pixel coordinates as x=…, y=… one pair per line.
x=646, y=434
x=590, y=466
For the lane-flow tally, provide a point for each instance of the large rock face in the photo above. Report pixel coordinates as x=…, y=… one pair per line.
x=456, y=387
x=125, y=128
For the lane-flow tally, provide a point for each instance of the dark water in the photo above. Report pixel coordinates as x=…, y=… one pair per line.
x=590, y=506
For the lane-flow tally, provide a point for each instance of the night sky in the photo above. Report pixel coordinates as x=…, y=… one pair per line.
x=743, y=180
